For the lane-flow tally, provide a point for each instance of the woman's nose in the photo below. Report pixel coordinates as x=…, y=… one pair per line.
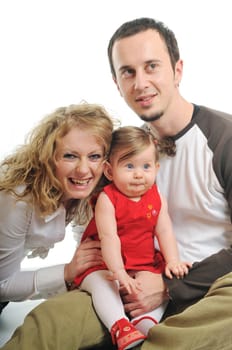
x=82, y=166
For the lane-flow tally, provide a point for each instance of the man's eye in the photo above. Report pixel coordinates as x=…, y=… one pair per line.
x=127, y=73
x=151, y=67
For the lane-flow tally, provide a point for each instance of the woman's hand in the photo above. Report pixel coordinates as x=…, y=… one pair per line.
x=152, y=294
x=87, y=254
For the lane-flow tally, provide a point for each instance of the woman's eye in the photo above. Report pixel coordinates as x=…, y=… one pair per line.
x=69, y=156
x=95, y=157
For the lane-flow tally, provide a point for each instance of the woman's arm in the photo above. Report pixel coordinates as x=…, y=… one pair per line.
x=17, y=237
x=15, y=284
x=14, y=217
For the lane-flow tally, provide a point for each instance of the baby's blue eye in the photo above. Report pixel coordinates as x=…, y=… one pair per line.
x=130, y=166
x=146, y=166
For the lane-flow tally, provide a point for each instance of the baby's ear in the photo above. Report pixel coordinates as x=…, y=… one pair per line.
x=108, y=171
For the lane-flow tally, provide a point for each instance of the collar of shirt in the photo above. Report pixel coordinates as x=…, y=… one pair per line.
x=50, y=217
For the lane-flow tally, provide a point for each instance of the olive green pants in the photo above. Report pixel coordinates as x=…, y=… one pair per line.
x=68, y=322
x=205, y=325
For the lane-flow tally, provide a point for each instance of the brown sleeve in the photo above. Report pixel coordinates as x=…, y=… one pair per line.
x=187, y=291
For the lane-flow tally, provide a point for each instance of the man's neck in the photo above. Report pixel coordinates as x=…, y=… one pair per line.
x=174, y=121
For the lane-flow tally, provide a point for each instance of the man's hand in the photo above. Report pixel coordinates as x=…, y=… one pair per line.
x=129, y=284
x=153, y=293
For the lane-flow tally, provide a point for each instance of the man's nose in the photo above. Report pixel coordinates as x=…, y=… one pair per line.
x=141, y=81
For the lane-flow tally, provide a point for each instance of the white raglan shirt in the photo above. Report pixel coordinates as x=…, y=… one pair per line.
x=197, y=183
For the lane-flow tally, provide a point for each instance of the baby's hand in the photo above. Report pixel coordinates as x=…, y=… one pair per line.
x=178, y=268
x=129, y=283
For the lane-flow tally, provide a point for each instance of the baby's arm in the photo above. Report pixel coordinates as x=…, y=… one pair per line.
x=110, y=243
x=168, y=244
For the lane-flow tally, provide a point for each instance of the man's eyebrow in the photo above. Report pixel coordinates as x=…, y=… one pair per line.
x=125, y=67
x=122, y=68
x=154, y=60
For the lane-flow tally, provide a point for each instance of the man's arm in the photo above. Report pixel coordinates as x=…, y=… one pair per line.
x=155, y=289
x=152, y=294
x=194, y=286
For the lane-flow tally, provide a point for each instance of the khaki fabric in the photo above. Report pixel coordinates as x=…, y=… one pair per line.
x=65, y=322
x=207, y=325
x=68, y=322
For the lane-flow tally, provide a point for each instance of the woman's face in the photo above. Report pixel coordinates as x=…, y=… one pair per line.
x=79, y=163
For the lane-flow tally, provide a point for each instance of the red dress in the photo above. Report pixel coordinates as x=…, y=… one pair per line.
x=136, y=223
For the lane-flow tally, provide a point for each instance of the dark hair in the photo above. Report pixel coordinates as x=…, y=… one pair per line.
x=140, y=25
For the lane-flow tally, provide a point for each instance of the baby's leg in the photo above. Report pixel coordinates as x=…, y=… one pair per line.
x=146, y=321
x=109, y=307
x=106, y=298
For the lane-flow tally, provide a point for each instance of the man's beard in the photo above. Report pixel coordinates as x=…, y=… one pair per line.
x=151, y=118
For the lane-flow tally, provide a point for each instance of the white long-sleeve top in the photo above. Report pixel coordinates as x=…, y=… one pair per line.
x=24, y=232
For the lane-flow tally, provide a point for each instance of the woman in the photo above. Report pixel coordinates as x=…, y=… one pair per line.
x=45, y=185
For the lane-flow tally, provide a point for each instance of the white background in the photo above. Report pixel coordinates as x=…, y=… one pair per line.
x=53, y=53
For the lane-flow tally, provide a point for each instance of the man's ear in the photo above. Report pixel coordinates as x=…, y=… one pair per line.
x=178, y=72
x=108, y=171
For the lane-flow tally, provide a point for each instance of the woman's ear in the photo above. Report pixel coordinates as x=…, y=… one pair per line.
x=108, y=171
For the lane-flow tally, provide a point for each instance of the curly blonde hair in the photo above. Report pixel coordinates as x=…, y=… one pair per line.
x=33, y=163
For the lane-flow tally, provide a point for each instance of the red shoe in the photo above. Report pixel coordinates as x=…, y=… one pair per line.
x=125, y=335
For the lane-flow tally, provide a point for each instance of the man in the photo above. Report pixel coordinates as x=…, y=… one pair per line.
x=197, y=180
x=196, y=177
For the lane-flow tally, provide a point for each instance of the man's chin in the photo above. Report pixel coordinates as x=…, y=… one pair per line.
x=151, y=118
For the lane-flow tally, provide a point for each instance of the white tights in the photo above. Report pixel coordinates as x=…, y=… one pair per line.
x=108, y=304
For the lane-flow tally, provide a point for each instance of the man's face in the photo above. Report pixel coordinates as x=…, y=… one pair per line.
x=144, y=74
